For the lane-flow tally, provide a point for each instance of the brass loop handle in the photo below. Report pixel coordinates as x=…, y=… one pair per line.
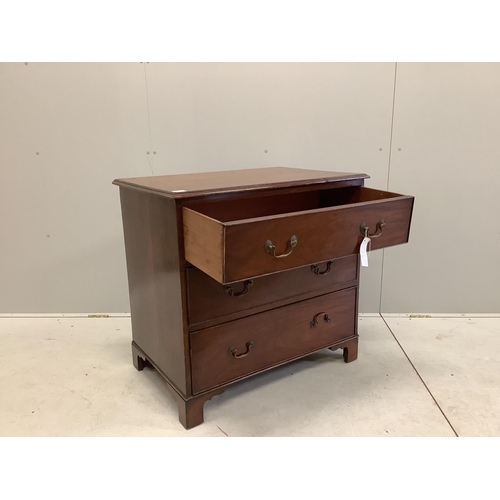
x=315, y=269
x=269, y=247
x=314, y=323
x=229, y=289
x=364, y=229
x=233, y=351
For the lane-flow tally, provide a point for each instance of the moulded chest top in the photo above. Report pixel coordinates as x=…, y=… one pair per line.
x=205, y=183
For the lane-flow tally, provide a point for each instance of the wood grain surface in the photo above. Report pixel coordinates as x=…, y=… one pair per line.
x=328, y=228
x=277, y=335
x=209, y=300
x=153, y=269
x=205, y=183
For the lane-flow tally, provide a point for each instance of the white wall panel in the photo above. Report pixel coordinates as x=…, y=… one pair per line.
x=446, y=152
x=61, y=239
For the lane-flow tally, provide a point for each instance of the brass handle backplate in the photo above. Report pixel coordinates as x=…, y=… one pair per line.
x=270, y=248
x=233, y=351
x=229, y=289
x=315, y=268
x=314, y=323
x=364, y=229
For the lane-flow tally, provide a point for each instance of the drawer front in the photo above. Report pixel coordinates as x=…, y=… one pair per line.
x=208, y=299
x=235, y=250
x=232, y=350
x=319, y=235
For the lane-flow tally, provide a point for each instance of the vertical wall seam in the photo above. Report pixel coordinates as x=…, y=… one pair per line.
x=150, y=156
x=388, y=178
x=392, y=125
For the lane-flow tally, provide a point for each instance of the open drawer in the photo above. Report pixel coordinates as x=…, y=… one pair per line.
x=246, y=237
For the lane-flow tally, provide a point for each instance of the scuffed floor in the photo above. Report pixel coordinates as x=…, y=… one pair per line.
x=74, y=377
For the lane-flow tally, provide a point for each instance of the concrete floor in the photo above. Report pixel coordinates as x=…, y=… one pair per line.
x=74, y=377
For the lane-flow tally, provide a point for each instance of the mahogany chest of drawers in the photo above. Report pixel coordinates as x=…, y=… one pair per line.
x=233, y=273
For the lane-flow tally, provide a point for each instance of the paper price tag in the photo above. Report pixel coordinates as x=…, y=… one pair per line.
x=363, y=251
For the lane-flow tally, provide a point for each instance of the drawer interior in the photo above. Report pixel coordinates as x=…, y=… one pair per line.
x=248, y=236
x=234, y=209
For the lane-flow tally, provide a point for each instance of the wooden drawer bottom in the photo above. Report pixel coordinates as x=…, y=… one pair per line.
x=232, y=350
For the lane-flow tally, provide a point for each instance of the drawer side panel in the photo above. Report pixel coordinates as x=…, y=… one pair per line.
x=204, y=243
